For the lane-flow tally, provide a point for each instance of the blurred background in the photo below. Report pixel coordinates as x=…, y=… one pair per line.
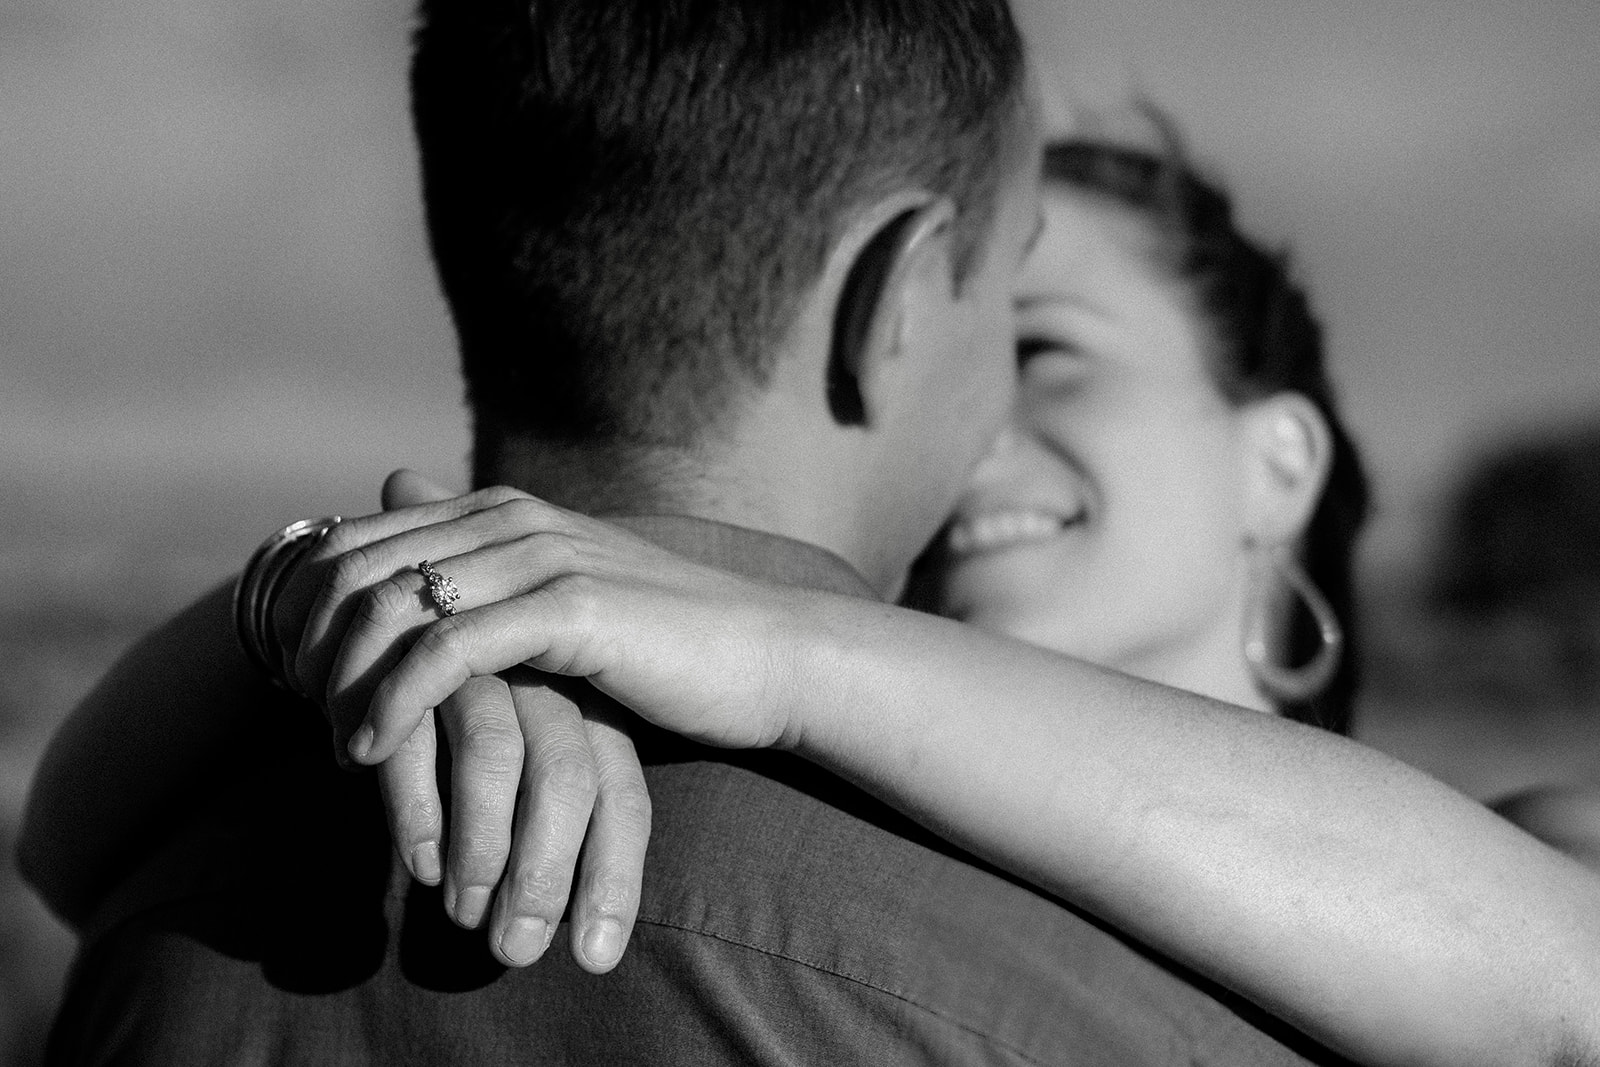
x=217, y=314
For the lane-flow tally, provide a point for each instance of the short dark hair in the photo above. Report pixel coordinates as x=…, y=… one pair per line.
x=626, y=198
x=1264, y=340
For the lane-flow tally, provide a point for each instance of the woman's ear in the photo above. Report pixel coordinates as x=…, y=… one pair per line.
x=905, y=251
x=1290, y=451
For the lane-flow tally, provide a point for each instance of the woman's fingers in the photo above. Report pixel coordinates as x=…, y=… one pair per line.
x=484, y=640
x=347, y=546
x=379, y=597
x=388, y=615
x=689, y=649
x=606, y=900
x=406, y=488
x=486, y=756
x=559, y=785
x=370, y=568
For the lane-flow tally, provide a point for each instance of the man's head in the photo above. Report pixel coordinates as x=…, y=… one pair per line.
x=627, y=199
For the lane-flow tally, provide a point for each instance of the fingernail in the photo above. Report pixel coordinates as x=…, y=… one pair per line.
x=470, y=906
x=602, y=944
x=361, y=743
x=425, y=862
x=524, y=940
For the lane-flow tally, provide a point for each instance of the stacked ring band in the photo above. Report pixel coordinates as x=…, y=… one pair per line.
x=255, y=595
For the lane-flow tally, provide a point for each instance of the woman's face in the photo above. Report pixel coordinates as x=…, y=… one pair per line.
x=1108, y=521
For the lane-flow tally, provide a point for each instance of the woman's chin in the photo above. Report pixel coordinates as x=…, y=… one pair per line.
x=1003, y=573
x=1031, y=610
x=1048, y=614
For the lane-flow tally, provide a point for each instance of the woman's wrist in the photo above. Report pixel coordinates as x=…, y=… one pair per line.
x=803, y=656
x=255, y=594
x=829, y=643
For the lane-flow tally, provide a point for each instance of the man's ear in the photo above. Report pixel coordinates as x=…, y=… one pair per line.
x=1290, y=451
x=903, y=237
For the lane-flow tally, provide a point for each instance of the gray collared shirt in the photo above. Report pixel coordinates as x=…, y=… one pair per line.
x=786, y=919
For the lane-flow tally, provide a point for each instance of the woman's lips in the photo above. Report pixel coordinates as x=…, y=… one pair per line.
x=999, y=528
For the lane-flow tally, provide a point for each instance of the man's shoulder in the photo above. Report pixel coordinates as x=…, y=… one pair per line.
x=785, y=915
x=764, y=854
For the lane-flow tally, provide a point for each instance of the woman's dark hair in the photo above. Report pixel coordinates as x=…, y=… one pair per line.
x=1265, y=341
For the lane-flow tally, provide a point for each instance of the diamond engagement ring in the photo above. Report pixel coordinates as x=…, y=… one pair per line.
x=441, y=587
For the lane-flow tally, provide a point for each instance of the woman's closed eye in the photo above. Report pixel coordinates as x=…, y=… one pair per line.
x=1060, y=351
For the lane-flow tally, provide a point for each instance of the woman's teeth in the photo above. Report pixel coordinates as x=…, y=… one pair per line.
x=998, y=529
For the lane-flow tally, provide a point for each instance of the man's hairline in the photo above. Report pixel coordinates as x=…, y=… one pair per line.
x=1019, y=145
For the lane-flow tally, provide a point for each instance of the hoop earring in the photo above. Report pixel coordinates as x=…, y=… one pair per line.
x=1293, y=685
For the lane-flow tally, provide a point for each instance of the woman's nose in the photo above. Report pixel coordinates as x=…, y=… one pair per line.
x=1007, y=443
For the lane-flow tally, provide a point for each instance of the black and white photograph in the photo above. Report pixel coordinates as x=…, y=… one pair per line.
x=591, y=532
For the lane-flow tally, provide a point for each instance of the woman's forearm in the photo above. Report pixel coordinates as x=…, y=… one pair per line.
x=138, y=753
x=1380, y=911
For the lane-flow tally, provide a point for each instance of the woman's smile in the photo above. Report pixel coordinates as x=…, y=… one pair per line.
x=996, y=526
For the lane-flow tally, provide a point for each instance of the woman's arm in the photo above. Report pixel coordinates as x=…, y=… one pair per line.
x=177, y=718
x=1381, y=912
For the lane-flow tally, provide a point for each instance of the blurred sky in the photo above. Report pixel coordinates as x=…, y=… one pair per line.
x=216, y=310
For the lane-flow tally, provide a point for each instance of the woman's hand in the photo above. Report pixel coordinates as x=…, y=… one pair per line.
x=692, y=648
x=536, y=779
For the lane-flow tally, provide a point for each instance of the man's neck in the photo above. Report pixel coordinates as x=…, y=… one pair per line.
x=594, y=479
x=613, y=480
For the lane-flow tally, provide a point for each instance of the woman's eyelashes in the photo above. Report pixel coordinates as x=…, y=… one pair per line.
x=1053, y=360
x=1032, y=347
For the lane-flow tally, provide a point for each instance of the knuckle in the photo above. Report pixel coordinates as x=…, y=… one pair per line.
x=351, y=572
x=557, y=546
x=610, y=894
x=419, y=815
x=492, y=748
x=569, y=776
x=537, y=890
x=481, y=853
x=521, y=512
x=495, y=496
x=626, y=803
x=574, y=549
x=336, y=542
x=386, y=602
x=445, y=640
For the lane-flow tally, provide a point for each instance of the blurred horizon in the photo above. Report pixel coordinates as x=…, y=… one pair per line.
x=217, y=261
